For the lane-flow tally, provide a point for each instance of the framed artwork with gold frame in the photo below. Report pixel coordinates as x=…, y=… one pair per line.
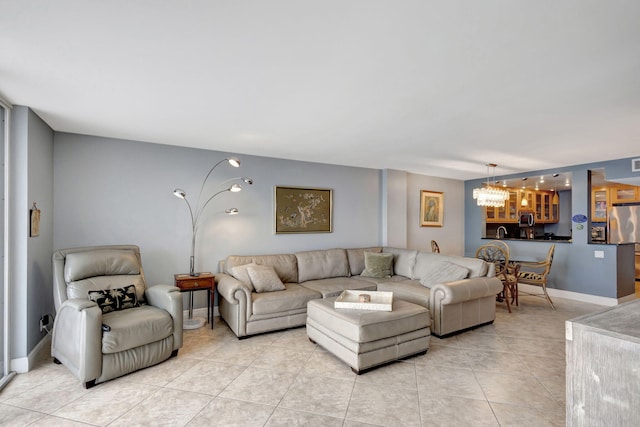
x=303, y=210
x=431, y=208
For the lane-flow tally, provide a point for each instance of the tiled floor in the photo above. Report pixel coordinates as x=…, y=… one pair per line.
x=508, y=373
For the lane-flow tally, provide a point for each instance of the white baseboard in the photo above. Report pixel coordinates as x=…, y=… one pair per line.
x=41, y=350
x=576, y=296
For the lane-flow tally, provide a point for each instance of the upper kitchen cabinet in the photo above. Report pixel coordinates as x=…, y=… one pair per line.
x=540, y=202
x=599, y=204
x=543, y=210
x=621, y=193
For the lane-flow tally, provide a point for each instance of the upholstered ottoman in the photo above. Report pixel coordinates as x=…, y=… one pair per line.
x=365, y=338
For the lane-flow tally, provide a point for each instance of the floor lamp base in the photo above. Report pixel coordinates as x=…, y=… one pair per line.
x=193, y=323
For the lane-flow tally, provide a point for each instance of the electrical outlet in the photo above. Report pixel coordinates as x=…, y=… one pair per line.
x=45, y=322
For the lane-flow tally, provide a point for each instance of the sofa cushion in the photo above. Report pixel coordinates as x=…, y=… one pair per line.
x=115, y=299
x=356, y=258
x=323, y=264
x=407, y=290
x=293, y=297
x=426, y=260
x=377, y=265
x=285, y=265
x=240, y=272
x=264, y=278
x=135, y=327
x=335, y=286
x=443, y=272
x=404, y=260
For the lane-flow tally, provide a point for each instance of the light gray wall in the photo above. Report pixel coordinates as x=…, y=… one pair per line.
x=31, y=180
x=450, y=236
x=39, y=249
x=109, y=191
x=394, y=208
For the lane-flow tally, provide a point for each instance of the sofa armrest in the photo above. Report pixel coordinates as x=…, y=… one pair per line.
x=77, y=338
x=228, y=286
x=465, y=290
x=168, y=298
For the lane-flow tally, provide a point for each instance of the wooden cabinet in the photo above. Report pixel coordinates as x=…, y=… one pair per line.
x=540, y=202
x=506, y=213
x=599, y=204
x=620, y=193
x=603, y=197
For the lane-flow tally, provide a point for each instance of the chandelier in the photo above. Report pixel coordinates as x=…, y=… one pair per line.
x=489, y=195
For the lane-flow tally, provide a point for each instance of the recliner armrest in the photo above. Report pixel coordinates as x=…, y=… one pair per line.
x=77, y=338
x=168, y=298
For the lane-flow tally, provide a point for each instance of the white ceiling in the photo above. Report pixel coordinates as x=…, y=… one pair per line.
x=432, y=87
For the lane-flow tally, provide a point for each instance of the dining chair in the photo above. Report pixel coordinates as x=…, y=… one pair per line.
x=434, y=247
x=507, y=273
x=501, y=244
x=537, y=274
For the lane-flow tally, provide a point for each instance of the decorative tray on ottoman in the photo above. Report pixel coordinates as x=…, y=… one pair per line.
x=365, y=300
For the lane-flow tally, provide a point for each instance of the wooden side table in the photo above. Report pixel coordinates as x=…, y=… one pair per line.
x=187, y=283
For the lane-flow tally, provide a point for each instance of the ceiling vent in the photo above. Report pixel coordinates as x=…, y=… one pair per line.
x=635, y=165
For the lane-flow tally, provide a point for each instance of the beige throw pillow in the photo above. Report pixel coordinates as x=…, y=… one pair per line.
x=264, y=278
x=378, y=265
x=240, y=273
x=443, y=272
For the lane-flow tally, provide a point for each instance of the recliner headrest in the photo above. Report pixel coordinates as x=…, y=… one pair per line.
x=101, y=262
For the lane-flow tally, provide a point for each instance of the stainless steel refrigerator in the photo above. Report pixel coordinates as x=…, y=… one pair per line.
x=624, y=223
x=624, y=227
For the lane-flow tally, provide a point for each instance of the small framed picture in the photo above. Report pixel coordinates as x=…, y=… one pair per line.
x=34, y=224
x=431, y=208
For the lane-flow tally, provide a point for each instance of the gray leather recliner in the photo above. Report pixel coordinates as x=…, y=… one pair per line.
x=97, y=346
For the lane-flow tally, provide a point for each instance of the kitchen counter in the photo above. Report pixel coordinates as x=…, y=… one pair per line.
x=557, y=239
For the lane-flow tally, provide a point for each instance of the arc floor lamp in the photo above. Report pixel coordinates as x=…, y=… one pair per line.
x=200, y=206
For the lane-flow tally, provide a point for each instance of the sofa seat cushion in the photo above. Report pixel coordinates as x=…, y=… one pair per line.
x=333, y=287
x=292, y=298
x=322, y=264
x=407, y=290
x=135, y=327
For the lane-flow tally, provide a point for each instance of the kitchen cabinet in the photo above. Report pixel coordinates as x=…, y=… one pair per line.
x=599, y=204
x=506, y=213
x=543, y=206
x=620, y=193
x=540, y=202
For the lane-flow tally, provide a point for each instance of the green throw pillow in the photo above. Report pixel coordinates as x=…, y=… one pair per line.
x=378, y=265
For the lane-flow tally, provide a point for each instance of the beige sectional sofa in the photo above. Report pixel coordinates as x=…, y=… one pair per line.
x=453, y=305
